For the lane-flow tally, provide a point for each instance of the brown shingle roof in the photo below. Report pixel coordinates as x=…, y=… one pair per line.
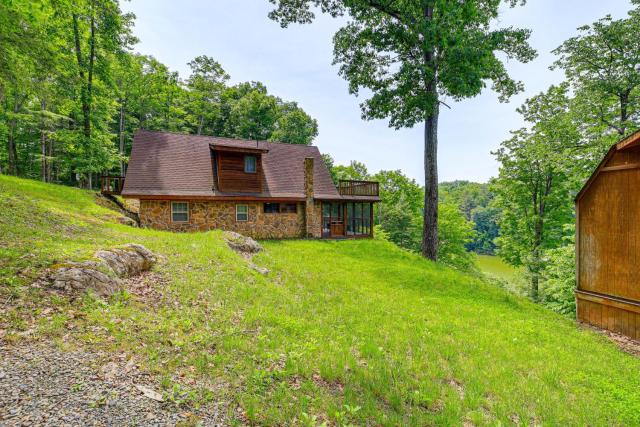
x=171, y=164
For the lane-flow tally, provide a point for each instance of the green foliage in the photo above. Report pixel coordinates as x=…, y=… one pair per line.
x=601, y=64
x=474, y=201
x=401, y=224
x=560, y=276
x=72, y=94
x=355, y=171
x=205, y=86
x=570, y=128
x=408, y=54
x=536, y=182
x=349, y=332
x=294, y=126
x=454, y=233
x=330, y=163
x=399, y=215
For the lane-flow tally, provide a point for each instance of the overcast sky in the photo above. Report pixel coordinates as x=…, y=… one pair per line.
x=295, y=64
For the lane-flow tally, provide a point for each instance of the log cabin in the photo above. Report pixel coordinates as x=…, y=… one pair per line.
x=608, y=242
x=258, y=188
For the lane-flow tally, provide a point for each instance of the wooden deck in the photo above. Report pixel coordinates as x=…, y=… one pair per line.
x=111, y=184
x=358, y=188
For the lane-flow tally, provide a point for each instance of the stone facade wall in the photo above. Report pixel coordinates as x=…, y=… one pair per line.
x=132, y=204
x=315, y=221
x=308, y=193
x=207, y=215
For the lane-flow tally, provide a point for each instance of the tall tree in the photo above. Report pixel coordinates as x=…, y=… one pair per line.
x=25, y=50
x=412, y=54
x=98, y=31
x=294, y=126
x=205, y=86
x=355, y=171
x=535, y=181
x=601, y=64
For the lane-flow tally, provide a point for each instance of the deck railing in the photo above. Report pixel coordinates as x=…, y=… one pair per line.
x=358, y=188
x=111, y=184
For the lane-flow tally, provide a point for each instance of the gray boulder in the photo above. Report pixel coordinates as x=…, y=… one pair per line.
x=240, y=243
x=130, y=260
x=103, y=274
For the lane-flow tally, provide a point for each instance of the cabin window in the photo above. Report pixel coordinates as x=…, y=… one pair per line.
x=271, y=207
x=289, y=208
x=242, y=213
x=179, y=211
x=250, y=163
x=280, y=208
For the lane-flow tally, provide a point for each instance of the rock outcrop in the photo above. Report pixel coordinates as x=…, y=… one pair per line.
x=240, y=243
x=245, y=246
x=103, y=274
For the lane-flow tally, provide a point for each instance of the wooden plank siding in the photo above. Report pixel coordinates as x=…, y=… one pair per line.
x=613, y=314
x=607, y=245
x=231, y=174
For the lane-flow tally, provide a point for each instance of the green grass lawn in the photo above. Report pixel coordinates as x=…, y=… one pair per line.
x=347, y=332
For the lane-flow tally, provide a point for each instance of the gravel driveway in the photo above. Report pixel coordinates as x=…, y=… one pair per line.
x=42, y=385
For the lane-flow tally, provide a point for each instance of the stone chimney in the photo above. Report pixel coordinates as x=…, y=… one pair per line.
x=309, y=208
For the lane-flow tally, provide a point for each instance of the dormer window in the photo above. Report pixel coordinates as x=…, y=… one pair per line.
x=250, y=164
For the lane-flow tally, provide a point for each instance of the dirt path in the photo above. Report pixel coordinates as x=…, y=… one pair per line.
x=41, y=385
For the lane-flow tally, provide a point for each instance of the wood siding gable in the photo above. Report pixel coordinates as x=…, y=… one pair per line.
x=230, y=175
x=608, y=242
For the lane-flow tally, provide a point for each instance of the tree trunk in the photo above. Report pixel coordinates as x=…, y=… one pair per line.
x=86, y=90
x=535, y=278
x=536, y=267
x=43, y=143
x=624, y=104
x=430, y=219
x=12, y=149
x=50, y=162
x=43, y=163
x=121, y=135
x=200, y=125
x=430, y=224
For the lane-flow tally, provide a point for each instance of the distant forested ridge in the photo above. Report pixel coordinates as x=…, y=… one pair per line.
x=72, y=92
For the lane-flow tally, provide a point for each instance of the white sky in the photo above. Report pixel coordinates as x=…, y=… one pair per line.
x=295, y=64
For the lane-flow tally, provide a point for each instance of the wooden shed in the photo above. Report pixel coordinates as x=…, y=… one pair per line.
x=608, y=242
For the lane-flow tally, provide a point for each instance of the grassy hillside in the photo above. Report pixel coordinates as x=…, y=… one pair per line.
x=340, y=331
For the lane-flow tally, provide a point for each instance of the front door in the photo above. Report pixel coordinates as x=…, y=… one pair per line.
x=337, y=228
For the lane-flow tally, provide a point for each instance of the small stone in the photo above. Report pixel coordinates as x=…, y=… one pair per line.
x=262, y=270
x=127, y=221
x=151, y=394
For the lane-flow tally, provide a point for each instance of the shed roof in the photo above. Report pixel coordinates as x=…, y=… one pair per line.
x=178, y=165
x=626, y=143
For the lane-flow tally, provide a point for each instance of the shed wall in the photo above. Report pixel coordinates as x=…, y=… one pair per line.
x=608, y=246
